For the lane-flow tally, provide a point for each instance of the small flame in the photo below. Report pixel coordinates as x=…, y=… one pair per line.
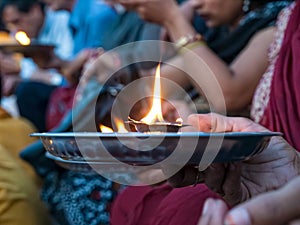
x=120, y=126
x=22, y=38
x=179, y=120
x=105, y=129
x=155, y=114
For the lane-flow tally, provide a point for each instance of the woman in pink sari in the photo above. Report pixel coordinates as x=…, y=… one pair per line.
x=276, y=103
x=160, y=205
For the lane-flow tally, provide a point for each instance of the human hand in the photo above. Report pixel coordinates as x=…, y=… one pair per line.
x=276, y=208
x=175, y=109
x=101, y=66
x=9, y=64
x=9, y=83
x=236, y=182
x=187, y=8
x=72, y=70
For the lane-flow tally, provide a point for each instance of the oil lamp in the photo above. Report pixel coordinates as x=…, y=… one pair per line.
x=154, y=121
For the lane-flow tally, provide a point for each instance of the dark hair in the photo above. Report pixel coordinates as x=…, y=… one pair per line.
x=21, y=5
x=257, y=3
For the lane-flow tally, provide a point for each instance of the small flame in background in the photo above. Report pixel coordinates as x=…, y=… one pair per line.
x=22, y=38
x=155, y=113
x=105, y=129
x=120, y=127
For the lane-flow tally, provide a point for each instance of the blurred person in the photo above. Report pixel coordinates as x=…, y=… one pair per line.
x=60, y=4
x=91, y=22
x=267, y=183
x=83, y=197
x=237, y=50
x=19, y=184
x=269, y=105
x=45, y=27
x=227, y=47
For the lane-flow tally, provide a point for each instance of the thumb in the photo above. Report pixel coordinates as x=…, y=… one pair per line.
x=276, y=207
x=210, y=122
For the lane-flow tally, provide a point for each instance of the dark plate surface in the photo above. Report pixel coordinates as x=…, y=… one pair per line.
x=143, y=149
x=27, y=49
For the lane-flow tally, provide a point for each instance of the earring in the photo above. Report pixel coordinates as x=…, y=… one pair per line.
x=246, y=6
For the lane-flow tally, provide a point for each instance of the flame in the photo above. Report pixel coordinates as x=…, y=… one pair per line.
x=179, y=120
x=22, y=38
x=120, y=126
x=155, y=113
x=105, y=129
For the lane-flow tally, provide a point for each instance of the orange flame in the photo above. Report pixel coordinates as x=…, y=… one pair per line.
x=22, y=38
x=155, y=113
x=120, y=126
x=105, y=129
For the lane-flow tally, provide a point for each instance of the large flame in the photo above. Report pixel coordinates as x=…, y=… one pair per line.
x=22, y=38
x=155, y=113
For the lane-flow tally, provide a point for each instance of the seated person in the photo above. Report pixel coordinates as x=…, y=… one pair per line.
x=175, y=208
x=255, y=179
x=19, y=185
x=46, y=27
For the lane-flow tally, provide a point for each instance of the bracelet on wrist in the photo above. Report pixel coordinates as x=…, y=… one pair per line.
x=191, y=38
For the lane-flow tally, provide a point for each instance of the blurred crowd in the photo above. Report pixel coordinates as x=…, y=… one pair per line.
x=237, y=62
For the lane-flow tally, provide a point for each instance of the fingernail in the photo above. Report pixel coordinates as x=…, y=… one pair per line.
x=238, y=217
x=207, y=205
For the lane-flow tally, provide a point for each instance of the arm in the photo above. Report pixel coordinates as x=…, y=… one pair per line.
x=238, y=79
x=271, y=169
x=276, y=207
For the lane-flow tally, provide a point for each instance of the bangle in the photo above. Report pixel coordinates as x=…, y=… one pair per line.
x=191, y=38
x=190, y=47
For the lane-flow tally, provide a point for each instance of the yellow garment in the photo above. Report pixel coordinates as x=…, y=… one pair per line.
x=14, y=136
x=19, y=185
x=19, y=196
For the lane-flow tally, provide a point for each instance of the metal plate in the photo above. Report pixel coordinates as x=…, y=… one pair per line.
x=131, y=148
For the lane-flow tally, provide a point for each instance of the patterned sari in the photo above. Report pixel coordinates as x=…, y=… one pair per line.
x=276, y=103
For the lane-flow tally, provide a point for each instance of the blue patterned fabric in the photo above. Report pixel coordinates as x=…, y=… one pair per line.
x=78, y=198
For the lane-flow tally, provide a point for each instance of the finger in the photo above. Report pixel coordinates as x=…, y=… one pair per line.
x=213, y=122
x=214, y=177
x=213, y=212
x=232, y=185
x=186, y=176
x=277, y=207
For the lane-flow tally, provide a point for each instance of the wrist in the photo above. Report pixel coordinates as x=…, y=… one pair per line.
x=173, y=19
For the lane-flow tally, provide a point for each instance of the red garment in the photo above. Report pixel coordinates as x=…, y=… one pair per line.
x=283, y=111
x=183, y=206
x=60, y=102
x=136, y=204
x=160, y=205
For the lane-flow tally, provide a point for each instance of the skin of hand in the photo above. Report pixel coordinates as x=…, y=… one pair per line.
x=8, y=64
x=174, y=109
x=236, y=182
x=187, y=9
x=73, y=69
x=101, y=66
x=275, y=207
x=9, y=83
x=234, y=79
